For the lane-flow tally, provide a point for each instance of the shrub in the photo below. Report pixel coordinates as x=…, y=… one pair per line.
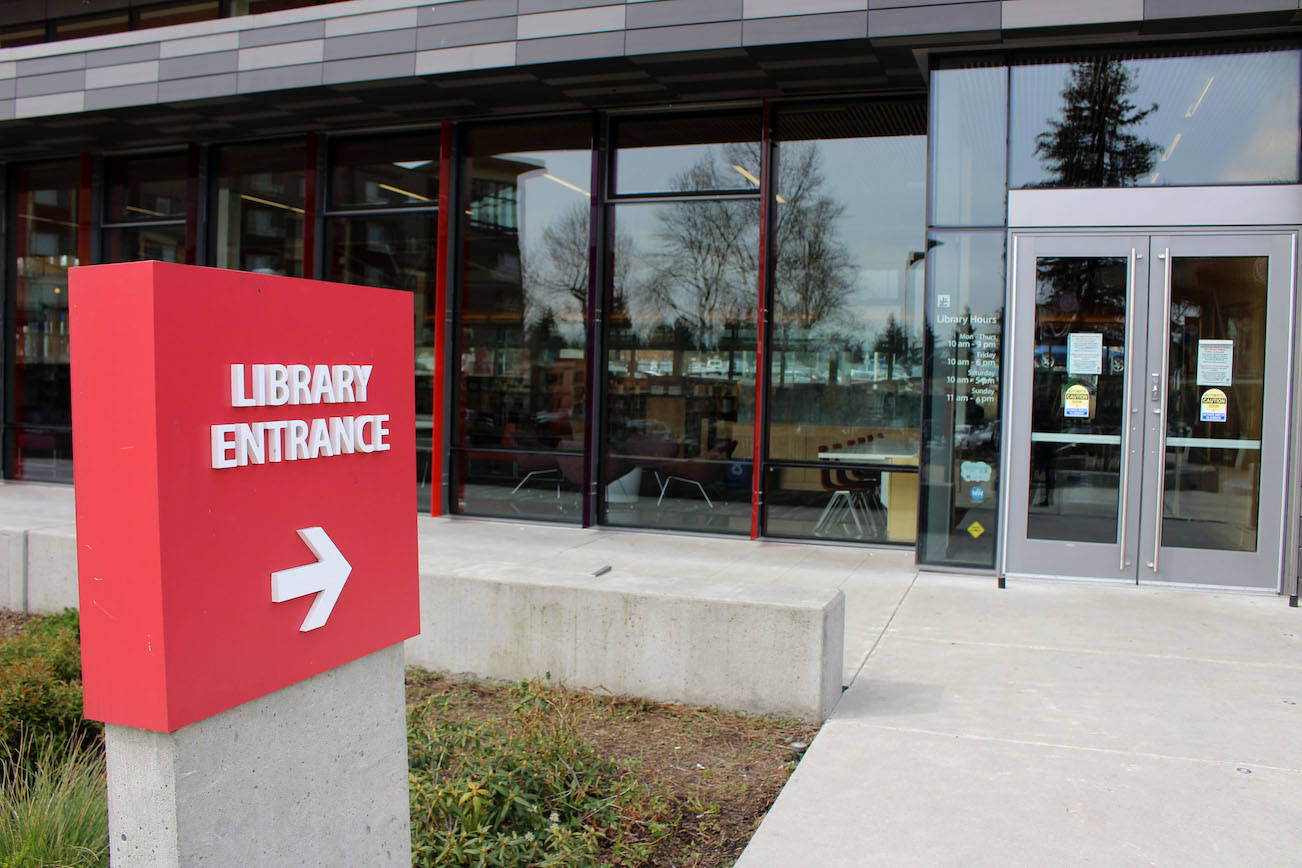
x=40, y=686
x=55, y=809
x=530, y=792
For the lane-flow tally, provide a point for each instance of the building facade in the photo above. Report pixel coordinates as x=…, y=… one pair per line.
x=1012, y=283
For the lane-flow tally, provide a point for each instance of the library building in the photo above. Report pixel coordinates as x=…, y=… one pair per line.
x=1011, y=284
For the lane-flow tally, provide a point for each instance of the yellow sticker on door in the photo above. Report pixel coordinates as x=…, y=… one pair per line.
x=1076, y=402
x=975, y=529
x=1213, y=406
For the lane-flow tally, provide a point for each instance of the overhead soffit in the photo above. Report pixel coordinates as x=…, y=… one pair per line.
x=652, y=81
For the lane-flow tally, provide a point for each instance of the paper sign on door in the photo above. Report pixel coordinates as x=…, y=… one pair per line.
x=1084, y=353
x=1215, y=363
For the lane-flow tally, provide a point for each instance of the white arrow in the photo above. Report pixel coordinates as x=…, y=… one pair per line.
x=325, y=578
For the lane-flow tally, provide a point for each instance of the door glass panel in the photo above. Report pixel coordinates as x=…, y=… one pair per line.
x=1216, y=371
x=1078, y=385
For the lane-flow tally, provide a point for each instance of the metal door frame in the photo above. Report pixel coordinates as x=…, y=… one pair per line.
x=1290, y=533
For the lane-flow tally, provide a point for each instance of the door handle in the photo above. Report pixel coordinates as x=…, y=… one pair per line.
x=1160, y=461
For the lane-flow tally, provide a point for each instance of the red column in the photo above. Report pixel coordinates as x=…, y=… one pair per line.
x=436, y=470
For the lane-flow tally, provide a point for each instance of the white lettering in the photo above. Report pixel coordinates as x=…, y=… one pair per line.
x=319, y=443
x=276, y=431
x=323, y=391
x=343, y=439
x=296, y=440
x=300, y=390
x=363, y=445
x=380, y=433
x=363, y=377
x=277, y=385
x=237, y=388
x=223, y=441
x=343, y=377
x=252, y=445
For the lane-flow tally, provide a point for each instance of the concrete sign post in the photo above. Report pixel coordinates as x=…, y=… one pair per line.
x=246, y=549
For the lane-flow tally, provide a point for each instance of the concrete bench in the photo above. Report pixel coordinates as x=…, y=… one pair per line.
x=760, y=648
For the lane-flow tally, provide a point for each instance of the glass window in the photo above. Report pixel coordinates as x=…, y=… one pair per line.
x=680, y=381
x=969, y=109
x=1115, y=122
x=685, y=153
x=38, y=409
x=22, y=34
x=377, y=236
x=960, y=483
x=390, y=172
x=148, y=197
x=845, y=393
x=258, y=208
x=117, y=22
x=152, y=187
x=522, y=316
x=177, y=13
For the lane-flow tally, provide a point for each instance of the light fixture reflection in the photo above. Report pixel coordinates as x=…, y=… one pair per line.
x=564, y=183
x=745, y=174
x=261, y=201
x=401, y=192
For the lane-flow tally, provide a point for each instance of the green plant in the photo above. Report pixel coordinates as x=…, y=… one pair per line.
x=530, y=792
x=40, y=686
x=53, y=805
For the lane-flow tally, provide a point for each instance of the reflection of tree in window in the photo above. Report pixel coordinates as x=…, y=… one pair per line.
x=1091, y=143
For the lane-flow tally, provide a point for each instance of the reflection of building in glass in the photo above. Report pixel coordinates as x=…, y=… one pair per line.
x=747, y=290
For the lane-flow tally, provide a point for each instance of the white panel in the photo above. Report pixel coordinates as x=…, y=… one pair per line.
x=128, y=73
x=8, y=69
x=1258, y=205
x=50, y=104
x=199, y=45
x=285, y=54
x=571, y=22
x=492, y=54
x=1056, y=13
x=372, y=23
x=779, y=8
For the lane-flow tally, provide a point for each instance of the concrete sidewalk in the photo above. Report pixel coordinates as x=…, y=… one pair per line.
x=1052, y=724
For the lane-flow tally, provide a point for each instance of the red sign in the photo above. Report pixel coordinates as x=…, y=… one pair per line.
x=246, y=484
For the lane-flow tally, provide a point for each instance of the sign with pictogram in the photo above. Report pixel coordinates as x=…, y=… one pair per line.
x=245, y=473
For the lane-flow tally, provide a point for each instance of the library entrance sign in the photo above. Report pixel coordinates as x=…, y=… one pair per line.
x=245, y=479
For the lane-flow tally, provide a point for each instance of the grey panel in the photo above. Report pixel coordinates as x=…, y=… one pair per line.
x=370, y=68
x=1196, y=8
x=369, y=44
x=202, y=87
x=470, y=10
x=55, y=82
x=465, y=33
x=198, y=64
x=57, y=63
x=113, y=97
x=530, y=6
x=7, y=88
x=690, y=37
x=805, y=28
x=279, y=78
x=127, y=54
x=663, y=13
x=582, y=47
x=952, y=18
x=285, y=33
x=6, y=109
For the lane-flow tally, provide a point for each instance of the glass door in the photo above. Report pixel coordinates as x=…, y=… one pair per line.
x=1150, y=396
x=1080, y=302
x=1217, y=395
